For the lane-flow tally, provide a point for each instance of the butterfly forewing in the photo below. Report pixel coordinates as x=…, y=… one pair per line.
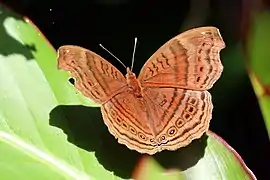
x=95, y=77
x=190, y=60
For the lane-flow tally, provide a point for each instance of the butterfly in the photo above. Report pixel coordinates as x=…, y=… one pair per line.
x=167, y=105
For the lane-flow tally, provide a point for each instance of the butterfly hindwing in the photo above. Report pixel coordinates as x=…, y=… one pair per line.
x=178, y=115
x=126, y=117
x=164, y=119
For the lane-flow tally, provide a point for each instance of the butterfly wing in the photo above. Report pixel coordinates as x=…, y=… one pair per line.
x=126, y=117
x=178, y=115
x=190, y=60
x=95, y=77
x=175, y=81
x=164, y=119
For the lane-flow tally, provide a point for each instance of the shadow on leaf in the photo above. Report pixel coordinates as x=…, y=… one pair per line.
x=86, y=129
x=10, y=45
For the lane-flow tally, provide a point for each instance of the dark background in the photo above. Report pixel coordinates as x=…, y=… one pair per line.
x=115, y=23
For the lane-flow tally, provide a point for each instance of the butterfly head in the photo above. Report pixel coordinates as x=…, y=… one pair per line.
x=131, y=78
x=130, y=74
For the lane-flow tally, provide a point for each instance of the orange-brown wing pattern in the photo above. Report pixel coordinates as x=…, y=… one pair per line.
x=173, y=106
x=94, y=77
x=178, y=115
x=164, y=119
x=190, y=60
x=127, y=119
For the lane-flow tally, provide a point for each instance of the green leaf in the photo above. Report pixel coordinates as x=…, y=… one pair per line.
x=210, y=157
x=259, y=63
x=49, y=131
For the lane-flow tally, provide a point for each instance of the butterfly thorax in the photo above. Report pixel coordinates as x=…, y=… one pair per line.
x=133, y=83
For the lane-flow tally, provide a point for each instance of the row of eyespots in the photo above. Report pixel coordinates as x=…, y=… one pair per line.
x=188, y=113
x=161, y=140
x=170, y=132
x=127, y=127
x=186, y=116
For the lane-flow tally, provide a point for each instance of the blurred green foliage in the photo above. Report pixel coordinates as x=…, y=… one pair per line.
x=258, y=61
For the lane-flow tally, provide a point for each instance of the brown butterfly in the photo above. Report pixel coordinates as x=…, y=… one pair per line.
x=168, y=105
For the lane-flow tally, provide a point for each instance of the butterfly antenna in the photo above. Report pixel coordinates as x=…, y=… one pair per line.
x=133, y=54
x=112, y=55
